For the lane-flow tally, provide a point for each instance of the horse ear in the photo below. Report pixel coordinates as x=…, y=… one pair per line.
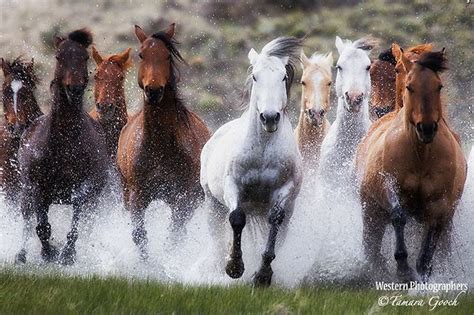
x=125, y=58
x=5, y=67
x=304, y=60
x=97, y=57
x=330, y=58
x=253, y=55
x=170, y=30
x=397, y=51
x=339, y=44
x=31, y=65
x=57, y=41
x=140, y=34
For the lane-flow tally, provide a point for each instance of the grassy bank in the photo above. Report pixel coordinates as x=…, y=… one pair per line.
x=22, y=294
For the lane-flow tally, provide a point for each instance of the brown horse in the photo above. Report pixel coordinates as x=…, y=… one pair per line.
x=382, y=76
x=63, y=159
x=109, y=93
x=315, y=103
x=159, y=148
x=20, y=109
x=411, y=165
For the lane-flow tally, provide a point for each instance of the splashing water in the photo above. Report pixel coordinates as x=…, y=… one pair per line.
x=324, y=242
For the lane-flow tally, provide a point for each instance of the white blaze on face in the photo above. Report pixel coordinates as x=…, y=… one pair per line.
x=16, y=85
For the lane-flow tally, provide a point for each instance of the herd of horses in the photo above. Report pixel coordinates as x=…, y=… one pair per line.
x=390, y=135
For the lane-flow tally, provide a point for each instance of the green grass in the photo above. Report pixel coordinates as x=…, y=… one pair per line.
x=52, y=294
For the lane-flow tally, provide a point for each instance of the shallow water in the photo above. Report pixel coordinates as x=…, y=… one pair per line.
x=323, y=242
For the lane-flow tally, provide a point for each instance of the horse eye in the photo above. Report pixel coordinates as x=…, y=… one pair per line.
x=253, y=77
x=284, y=79
x=338, y=67
x=440, y=87
x=303, y=83
x=140, y=55
x=329, y=84
x=397, y=71
x=368, y=68
x=409, y=88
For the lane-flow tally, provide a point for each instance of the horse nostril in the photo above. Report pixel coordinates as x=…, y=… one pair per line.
x=322, y=112
x=435, y=127
x=277, y=117
x=262, y=117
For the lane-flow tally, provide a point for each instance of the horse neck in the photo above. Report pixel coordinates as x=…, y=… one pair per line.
x=352, y=124
x=163, y=118
x=31, y=107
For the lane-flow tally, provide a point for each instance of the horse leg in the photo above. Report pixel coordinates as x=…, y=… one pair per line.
x=137, y=205
x=263, y=277
x=216, y=221
x=235, y=265
x=374, y=224
x=430, y=240
x=68, y=253
x=20, y=257
x=181, y=214
x=43, y=230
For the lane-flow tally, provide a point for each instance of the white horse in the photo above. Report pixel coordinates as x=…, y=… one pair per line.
x=251, y=166
x=352, y=120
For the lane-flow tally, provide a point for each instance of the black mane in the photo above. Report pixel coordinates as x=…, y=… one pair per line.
x=82, y=36
x=387, y=56
x=435, y=61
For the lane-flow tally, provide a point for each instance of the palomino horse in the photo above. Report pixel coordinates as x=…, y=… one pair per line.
x=352, y=120
x=63, y=159
x=19, y=109
x=411, y=165
x=315, y=103
x=159, y=148
x=109, y=93
x=382, y=77
x=252, y=165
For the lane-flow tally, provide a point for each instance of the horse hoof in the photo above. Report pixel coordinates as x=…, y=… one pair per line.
x=49, y=254
x=20, y=258
x=235, y=268
x=408, y=275
x=68, y=256
x=263, y=278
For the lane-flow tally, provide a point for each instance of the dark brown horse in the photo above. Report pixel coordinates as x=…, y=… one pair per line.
x=382, y=75
x=19, y=109
x=159, y=148
x=63, y=158
x=109, y=93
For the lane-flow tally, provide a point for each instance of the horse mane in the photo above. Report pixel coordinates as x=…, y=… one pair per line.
x=435, y=61
x=279, y=47
x=387, y=56
x=419, y=49
x=171, y=44
x=82, y=36
x=22, y=70
x=321, y=60
x=366, y=43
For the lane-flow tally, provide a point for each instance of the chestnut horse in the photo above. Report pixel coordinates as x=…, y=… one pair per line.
x=382, y=75
x=63, y=159
x=20, y=109
x=159, y=148
x=315, y=103
x=109, y=93
x=411, y=165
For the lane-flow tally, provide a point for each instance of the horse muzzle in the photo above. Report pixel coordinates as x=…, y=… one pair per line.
x=353, y=101
x=270, y=121
x=315, y=117
x=75, y=93
x=426, y=132
x=154, y=95
x=106, y=110
x=16, y=130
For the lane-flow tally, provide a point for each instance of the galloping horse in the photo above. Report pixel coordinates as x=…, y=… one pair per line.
x=252, y=165
x=159, y=148
x=20, y=109
x=315, y=103
x=411, y=165
x=352, y=120
x=382, y=78
x=63, y=159
x=109, y=93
